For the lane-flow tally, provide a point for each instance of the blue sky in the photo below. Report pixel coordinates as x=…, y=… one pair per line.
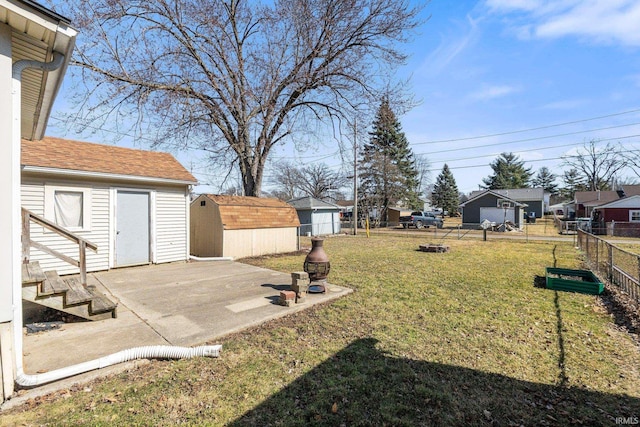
x=535, y=77
x=498, y=66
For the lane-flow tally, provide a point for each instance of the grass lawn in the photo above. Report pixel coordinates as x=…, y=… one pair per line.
x=461, y=338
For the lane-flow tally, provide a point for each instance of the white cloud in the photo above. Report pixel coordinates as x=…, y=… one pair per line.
x=599, y=21
x=450, y=48
x=491, y=92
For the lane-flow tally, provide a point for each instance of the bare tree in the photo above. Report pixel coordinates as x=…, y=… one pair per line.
x=597, y=165
x=286, y=178
x=633, y=162
x=315, y=180
x=233, y=77
x=318, y=181
x=423, y=167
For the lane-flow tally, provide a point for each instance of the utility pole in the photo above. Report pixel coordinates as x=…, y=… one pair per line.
x=354, y=211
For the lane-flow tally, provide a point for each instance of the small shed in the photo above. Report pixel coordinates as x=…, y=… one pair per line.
x=317, y=217
x=132, y=203
x=238, y=226
x=394, y=214
x=492, y=206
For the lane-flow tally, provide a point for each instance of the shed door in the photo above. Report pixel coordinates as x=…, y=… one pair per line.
x=132, y=228
x=497, y=215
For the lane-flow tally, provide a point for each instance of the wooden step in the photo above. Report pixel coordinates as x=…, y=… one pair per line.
x=53, y=284
x=77, y=294
x=64, y=294
x=32, y=273
x=101, y=304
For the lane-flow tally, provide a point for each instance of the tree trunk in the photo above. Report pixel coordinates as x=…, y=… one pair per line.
x=251, y=170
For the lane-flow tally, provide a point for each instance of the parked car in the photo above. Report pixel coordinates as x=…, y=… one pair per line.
x=419, y=219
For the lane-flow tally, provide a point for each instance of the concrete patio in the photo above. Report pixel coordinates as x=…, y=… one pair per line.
x=184, y=304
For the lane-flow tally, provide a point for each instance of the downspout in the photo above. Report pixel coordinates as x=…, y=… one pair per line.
x=25, y=380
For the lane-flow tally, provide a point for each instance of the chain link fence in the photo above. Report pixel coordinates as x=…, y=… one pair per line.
x=619, y=266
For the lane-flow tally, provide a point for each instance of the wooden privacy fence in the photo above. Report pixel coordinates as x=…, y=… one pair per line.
x=620, y=267
x=27, y=243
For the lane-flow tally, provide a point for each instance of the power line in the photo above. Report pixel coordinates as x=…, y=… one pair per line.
x=536, y=149
x=531, y=139
x=529, y=129
x=525, y=161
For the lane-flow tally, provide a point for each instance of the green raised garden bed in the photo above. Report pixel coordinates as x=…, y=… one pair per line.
x=583, y=281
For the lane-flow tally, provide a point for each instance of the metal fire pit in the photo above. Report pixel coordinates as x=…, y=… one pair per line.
x=317, y=265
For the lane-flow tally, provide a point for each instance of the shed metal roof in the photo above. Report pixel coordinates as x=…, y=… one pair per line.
x=308, y=202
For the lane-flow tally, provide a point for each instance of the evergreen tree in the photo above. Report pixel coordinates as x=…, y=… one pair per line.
x=546, y=180
x=389, y=173
x=508, y=172
x=573, y=182
x=445, y=192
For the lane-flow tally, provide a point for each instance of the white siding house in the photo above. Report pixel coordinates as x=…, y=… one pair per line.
x=133, y=204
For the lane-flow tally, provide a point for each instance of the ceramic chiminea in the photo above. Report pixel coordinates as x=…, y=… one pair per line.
x=317, y=265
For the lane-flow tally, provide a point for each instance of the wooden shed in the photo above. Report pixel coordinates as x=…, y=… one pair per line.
x=238, y=226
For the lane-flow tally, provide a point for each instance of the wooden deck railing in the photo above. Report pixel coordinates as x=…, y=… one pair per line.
x=27, y=243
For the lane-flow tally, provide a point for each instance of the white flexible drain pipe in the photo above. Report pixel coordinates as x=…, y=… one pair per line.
x=148, y=352
x=214, y=258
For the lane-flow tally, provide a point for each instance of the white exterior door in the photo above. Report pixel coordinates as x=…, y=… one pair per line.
x=497, y=215
x=132, y=228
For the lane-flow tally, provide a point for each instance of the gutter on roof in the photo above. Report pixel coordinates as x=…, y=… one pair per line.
x=47, y=12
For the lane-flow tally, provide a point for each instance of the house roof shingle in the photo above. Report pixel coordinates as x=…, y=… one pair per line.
x=241, y=212
x=595, y=198
x=518, y=194
x=57, y=153
x=483, y=193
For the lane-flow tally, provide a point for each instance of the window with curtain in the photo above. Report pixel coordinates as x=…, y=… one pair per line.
x=68, y=208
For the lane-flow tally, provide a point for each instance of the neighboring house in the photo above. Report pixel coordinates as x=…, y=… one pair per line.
x=237, y=226
x=624, y=210
x=346, y=207
x=584, y=202
x=536, y=199
x=133, y=204
x=28, y=32
x=492, y=206
x=316, y=217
